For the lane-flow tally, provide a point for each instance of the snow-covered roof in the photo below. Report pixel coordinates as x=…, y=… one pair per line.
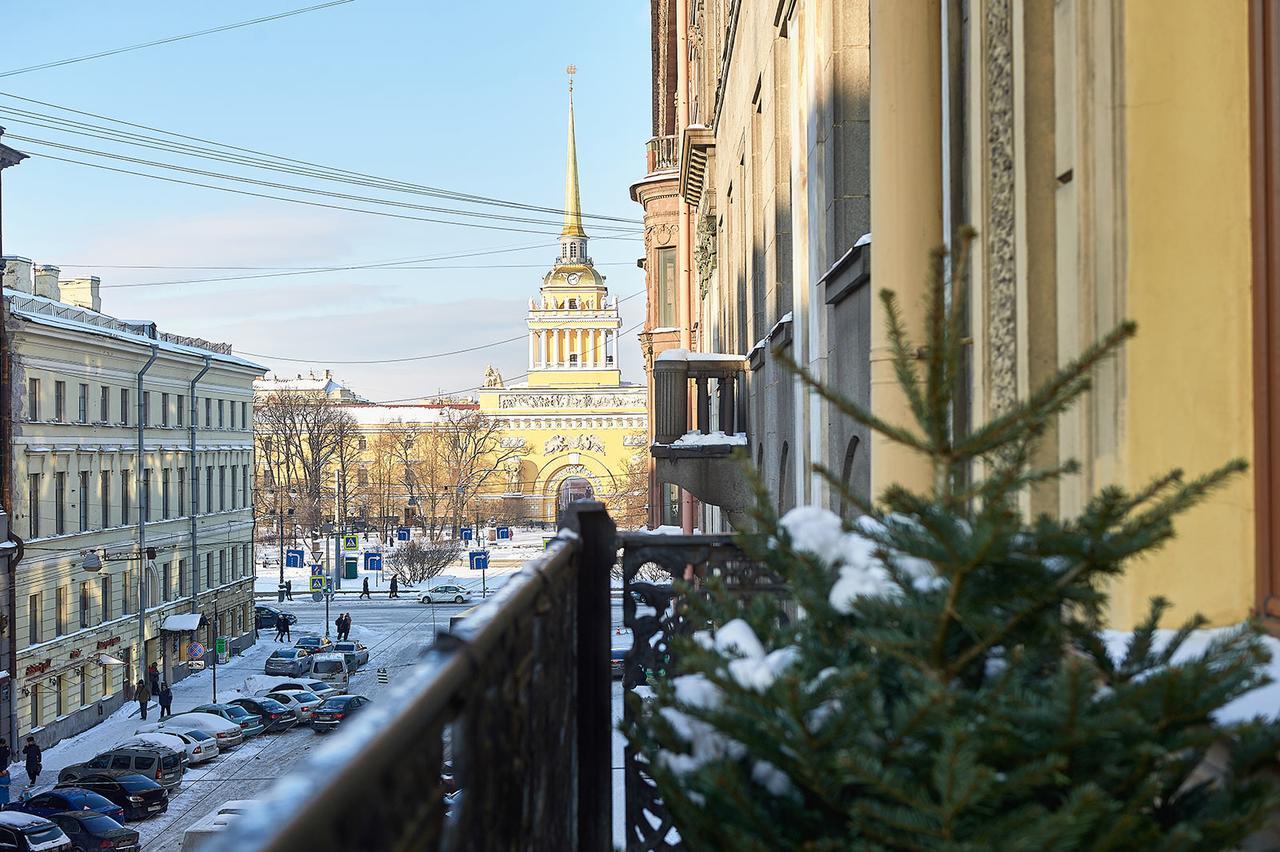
x=378, y=415
x=182, y=622
x=711, y=439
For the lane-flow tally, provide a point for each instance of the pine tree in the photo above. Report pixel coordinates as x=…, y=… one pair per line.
x=940, y=677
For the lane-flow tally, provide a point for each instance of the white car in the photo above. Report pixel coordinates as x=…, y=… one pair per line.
x=226, y=734
x=441, y=594
x=297, y=700
x=318, y=688
x=163, y=740
x=200, y=746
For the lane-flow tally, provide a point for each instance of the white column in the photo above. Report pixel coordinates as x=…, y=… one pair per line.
x=555, y=348
x=591, y=346
x=533, y=362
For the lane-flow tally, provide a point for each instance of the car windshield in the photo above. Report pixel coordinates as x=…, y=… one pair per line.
x=337, y=702
x=49, y=833
x=237, y=711
x=345, y=646
x=287, y=655
x=98, y=823
x=304, y=697
x=272, y=705
x=197, y=735
x=329, y=666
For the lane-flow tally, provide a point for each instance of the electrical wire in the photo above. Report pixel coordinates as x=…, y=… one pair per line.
x=364, y=199
x=425, y=189
x=524, y=336
x=171, y=39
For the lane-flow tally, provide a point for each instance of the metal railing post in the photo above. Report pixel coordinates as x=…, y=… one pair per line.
x=595, y=556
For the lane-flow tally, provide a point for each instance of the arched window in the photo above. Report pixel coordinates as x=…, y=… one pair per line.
x=573, y=250
x=846, y=477
x=782, y=477
x=573, y=304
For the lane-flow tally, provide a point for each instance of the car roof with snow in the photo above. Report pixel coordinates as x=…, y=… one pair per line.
x=21, y=821
x=330, y=657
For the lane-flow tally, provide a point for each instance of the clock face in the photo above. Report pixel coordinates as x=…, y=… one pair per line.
x=573, y=277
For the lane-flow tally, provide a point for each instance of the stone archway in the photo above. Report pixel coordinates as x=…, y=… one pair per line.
x=571, y=489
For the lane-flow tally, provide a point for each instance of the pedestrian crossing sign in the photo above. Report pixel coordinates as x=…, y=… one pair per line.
x=351, y=542
x=317, y=583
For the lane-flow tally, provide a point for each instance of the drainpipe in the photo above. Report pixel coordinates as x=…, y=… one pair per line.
x=144, y=509
x=193, y=479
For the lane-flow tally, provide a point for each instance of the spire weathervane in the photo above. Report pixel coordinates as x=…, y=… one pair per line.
x=572, y=204
x=571, y=69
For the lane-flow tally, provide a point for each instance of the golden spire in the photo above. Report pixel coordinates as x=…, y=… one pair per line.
x=572, y=204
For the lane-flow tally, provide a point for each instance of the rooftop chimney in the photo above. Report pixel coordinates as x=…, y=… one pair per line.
x=81, y=292
x=17, y=274
x=47, y=282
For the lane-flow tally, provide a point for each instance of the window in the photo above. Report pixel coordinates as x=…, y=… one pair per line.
x=60, y=707
x=244, y=415
x=125, y=488
x=33, y=505
x=208, y=412
x=33, y=619
x=35, y=705
x=82, y=404
x=124, y=406
x=60, y=503
x=573, y=303
x=248, y=561
x=84, y=686
x=85, y=604
x=83, y=497
x=106, y=681
x=195, y=490
x=146, y=408
x=164, y=493
x=222, y=567
x=164, y=409
x=221, y=418
x=33, y=399
x=178, y=412
x=222, y=488
x=362, y=443
x=208, y=488
x=362, y=478
x=60, y=401
x=166, y=591
x=208, y=570
x=182, y=578
x=104, y=495
x=666, y=286
x=182, y=491
x=244, y=485
x=104, y=404
x=144, y=499
x=233, y=414
x=235, y=563
x=126, y=589
x=60, y=620
x=106, y=597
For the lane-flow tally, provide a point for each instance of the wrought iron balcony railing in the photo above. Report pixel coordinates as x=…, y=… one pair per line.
x=498, y=739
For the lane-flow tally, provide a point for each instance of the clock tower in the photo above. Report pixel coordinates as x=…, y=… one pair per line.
x=573, y=325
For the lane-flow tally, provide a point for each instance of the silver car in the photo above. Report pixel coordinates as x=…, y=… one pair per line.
x=360, y=651
x=288, y=662
x=297, y=700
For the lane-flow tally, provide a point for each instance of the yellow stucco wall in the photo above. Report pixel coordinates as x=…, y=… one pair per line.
x=1188, y=276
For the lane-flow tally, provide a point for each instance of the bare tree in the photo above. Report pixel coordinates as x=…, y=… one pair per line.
x=471, y=452
x=416, y=449
x=629, y=503
x=421, y=559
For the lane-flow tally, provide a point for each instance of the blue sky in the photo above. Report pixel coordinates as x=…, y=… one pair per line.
x=464, y=96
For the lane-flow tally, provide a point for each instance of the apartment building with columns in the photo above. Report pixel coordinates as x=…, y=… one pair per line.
x=132, y=471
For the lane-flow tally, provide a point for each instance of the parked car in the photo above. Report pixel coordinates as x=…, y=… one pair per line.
x=47, y=802
x=163, y=764
x=28, y=833
x=446, y=592
x=249, y=723
x=274, y=715
x=301, y=703
x=160, y=740
x=319, y=688
x=88, y=830
x=137, y=794
x=313, y=644
x=288, y=662
x=333, y=710
x=228, y=734
x=200, y=746
x=211, y=825
x=266, y=616
x=332, y=669
x=345, y=647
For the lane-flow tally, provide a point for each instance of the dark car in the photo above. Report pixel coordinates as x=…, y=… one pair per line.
x=137, y=794
x=165, y=765
x=26, y=833
x=60, y=799
x=275, y=716
x=330, y=712
x=89, y=830
x=266, y=616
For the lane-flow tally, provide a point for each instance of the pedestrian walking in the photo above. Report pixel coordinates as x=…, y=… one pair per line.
x=153, y=678
x=282, y=625
x=365, y=593
x=6, y=754
x=288, y=590
x=337, y=623
x=285, y=621
x=395, y=586
x=346, y=625
x=165, y=697
x=33, y=755
x=143, y=696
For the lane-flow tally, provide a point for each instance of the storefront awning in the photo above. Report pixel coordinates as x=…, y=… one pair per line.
x=185, y=622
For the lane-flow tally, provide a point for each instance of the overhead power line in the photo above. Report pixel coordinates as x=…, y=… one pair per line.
x=232, y=190
x=409, y=358
x=171, y=39
x=278, y=159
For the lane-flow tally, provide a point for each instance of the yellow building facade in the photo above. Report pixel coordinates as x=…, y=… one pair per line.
x=577, y=425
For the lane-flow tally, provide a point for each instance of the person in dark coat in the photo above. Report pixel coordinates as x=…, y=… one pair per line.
x=282, y=628
x=153, y=678
x=365, y=593
x=288, y=590
x=143, y=696
x=165, y=697
x=346, y=625
x=395, y=586
x=32, y=753
x=6, y=754
x=337, y=623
